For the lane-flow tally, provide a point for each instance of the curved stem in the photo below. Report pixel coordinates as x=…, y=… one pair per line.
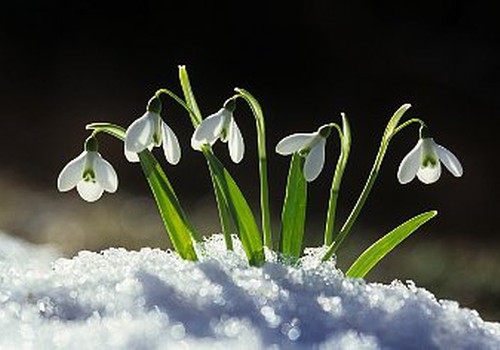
x=183, y=104
x=261, y=150
x=359, y=204
x=345, y=144
x=408, y=123
x=346, y=228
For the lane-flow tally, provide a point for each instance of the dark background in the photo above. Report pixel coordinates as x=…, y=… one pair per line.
x=65, y=64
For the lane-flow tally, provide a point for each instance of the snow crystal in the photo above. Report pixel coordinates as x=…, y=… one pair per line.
x=151, y=299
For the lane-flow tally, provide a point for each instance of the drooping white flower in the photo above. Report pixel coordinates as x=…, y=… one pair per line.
x=309, y=145
x=89, y=173
x=220, y=125
x=151, y=131
x=424, y=161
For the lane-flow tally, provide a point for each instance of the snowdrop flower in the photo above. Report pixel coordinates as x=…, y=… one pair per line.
x=424, y=161
x=90, y=173
x=220, y=125
x=151, y=131
x=309, y=145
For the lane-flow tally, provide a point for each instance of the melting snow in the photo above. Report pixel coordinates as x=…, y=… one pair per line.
x=151, y=299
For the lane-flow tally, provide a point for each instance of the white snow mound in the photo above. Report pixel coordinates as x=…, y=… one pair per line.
x=151, y=299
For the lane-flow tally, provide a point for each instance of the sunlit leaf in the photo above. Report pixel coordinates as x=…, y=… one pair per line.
x=240, y=211
x=383, y=246
x=394, y=121
x=293, y=215
x=189, y=96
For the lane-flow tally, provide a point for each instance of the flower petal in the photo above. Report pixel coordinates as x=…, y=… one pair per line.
x=89, y=190
x=430, y=173
x=132, y=157
x=105, y=174
x=140, y=133
x=450, y=161
x=171, y=146
x=209, y=130
x=315, y=160
x=72, y=173
x=294, y=143
x=410, y=164
x=236, y=144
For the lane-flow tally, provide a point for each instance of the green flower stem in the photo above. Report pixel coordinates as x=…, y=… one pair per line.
x=391, y=129
x=261, y=150
x=194, y=113
x=358, y=206
x=345, y=145
x=408, y=123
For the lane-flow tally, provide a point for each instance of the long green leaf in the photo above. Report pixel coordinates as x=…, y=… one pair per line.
x=394, y=121
x=240, y=211
x=189, y=95
x=293, y=215
x=179, y=229
x=383, y=246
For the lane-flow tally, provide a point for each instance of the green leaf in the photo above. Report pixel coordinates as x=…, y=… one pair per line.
x=379, y=249
x=188, y=95
x=293, y=215
x=394, y=121
x=179, y=229
x=240, y=211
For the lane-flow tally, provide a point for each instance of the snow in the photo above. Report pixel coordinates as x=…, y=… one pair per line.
x=151, y=299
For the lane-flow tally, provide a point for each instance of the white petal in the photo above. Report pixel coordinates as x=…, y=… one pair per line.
x=450, y=161
x=294, y=143
x=171, y=146
x=72, y=173
x=209, y=130
x=236, y=144
x=139, y=134
x=315, y=160
x=429, y=174
x=89, y=190
x=105, y=174
x=132, y=157
x=410, y=164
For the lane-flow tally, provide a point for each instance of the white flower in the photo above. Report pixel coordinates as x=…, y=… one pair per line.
x=310, y=145
x=220, y=125
x=151, y=131
x=424, y=161
x=91, y=174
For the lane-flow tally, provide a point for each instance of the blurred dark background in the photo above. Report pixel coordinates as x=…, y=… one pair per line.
x=65, y=64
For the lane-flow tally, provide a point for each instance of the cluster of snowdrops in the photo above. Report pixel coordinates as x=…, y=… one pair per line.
x=91, y=174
